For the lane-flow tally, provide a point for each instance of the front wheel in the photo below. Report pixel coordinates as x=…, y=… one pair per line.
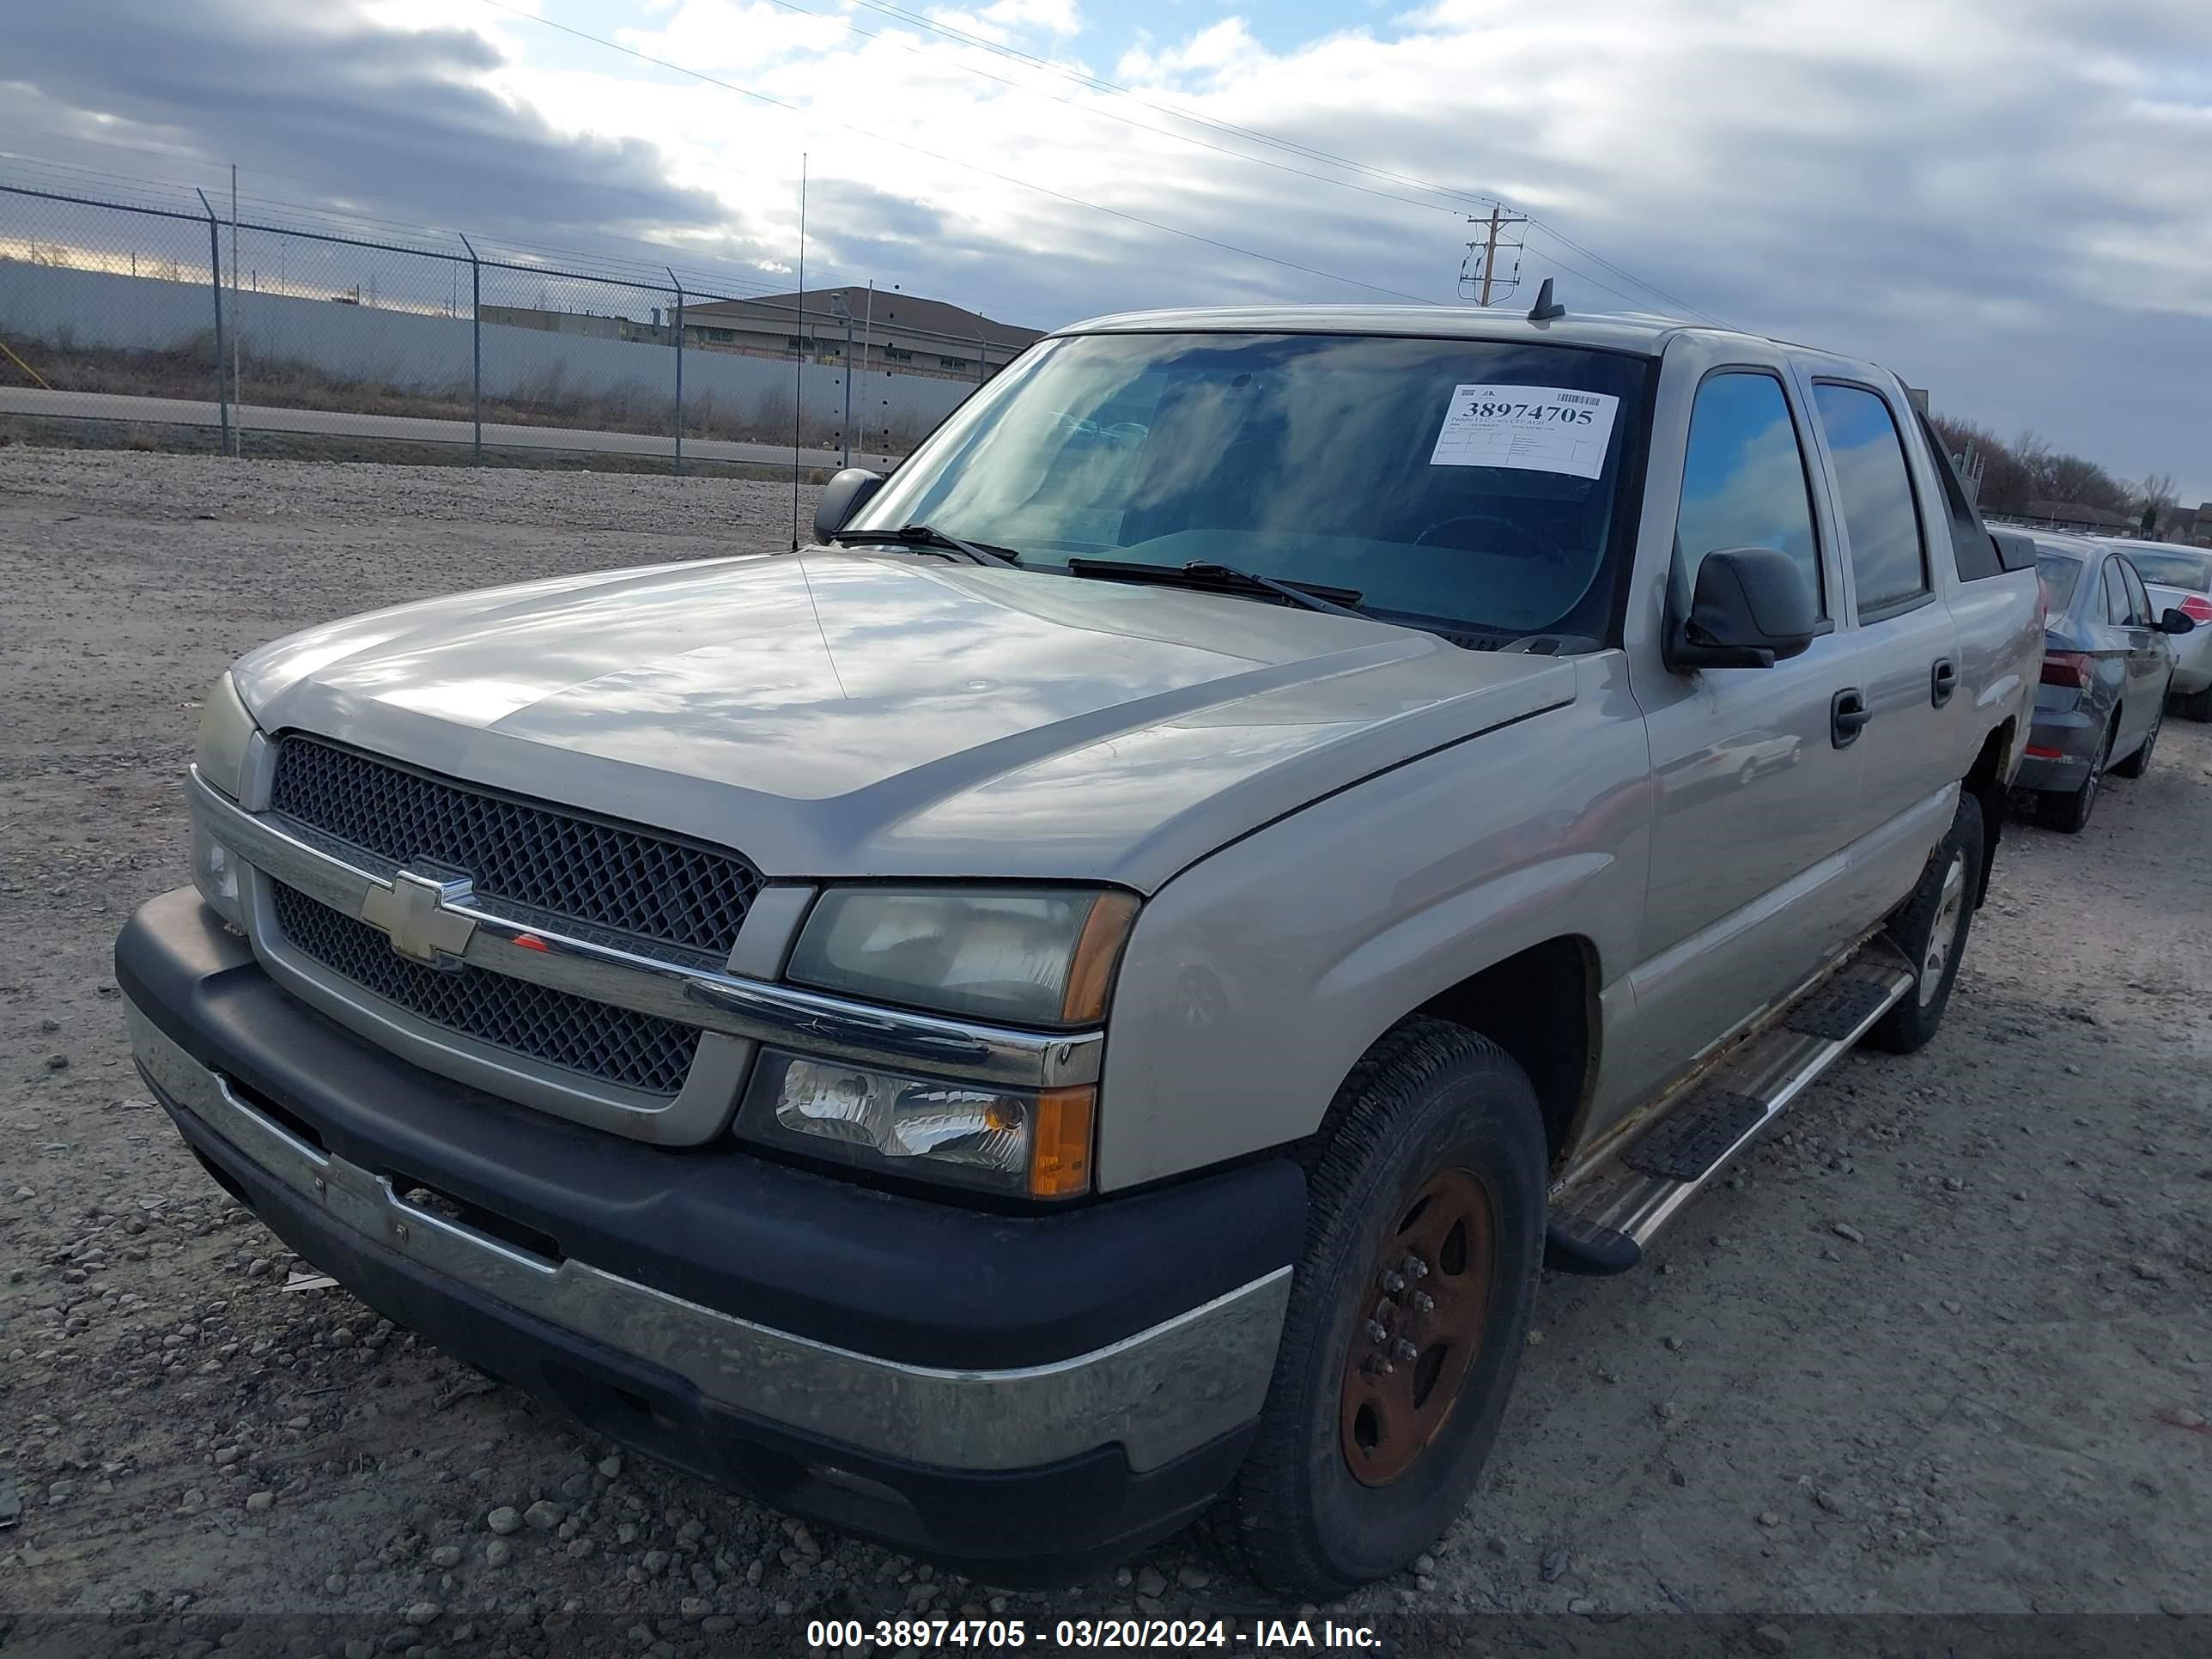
x=1408, y=1315
x=1931, y=932
x=2197, y=705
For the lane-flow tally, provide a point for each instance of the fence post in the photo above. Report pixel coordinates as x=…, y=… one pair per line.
x=678, y=283
x=476, y=346
x=846, y=431
x=215, y=272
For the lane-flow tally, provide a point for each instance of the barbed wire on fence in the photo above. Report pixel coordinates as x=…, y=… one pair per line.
x=282, y=326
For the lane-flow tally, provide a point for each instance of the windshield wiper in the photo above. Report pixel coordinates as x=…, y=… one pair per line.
x=921, y=535
x=1205, y=573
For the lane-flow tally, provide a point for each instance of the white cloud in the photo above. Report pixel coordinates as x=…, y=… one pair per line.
x=2003, y=198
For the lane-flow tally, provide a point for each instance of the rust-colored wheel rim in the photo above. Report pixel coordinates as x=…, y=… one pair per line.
x=1423, y=1301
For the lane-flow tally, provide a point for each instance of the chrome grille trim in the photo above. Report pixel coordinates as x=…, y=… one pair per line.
x=810, y=1022
x=594, y=1040
x=621, y=883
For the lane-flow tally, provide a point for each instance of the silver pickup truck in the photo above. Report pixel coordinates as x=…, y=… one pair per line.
x=1094, y=991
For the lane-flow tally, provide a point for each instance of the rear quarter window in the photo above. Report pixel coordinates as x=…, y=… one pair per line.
x=1972, y=551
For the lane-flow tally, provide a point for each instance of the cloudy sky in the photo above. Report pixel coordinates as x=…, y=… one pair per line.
x=2005, y=200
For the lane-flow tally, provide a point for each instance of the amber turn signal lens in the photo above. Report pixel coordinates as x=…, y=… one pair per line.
x=1098, y=952
x=1059, y=1142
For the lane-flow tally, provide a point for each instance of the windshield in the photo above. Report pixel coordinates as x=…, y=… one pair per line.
x=2172, y=567
x=1451, y=482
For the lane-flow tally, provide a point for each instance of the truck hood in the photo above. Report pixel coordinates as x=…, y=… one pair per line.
x=837, y=713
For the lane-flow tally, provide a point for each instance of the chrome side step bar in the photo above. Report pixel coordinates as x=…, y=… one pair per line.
x=1604, y=1215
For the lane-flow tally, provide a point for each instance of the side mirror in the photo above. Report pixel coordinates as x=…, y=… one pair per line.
x=842, y=497
x=2176, y=622
x=1752, y=608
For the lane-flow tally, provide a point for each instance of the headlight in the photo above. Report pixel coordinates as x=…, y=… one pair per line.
x=1027, y=956
x=967, y=1133
x=225, y=729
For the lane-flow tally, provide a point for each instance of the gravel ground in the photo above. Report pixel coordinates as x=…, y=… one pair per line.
x=1942, y=1348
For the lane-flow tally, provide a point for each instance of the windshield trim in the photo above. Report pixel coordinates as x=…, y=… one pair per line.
x=1628, y=505
x=1506, y=338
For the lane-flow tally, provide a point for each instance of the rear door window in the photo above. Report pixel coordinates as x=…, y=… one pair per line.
x=1881, y=516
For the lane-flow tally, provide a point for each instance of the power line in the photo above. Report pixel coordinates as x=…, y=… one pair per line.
x=1093, y=109
x=947, y=32
x=1098, y=83
x=952, y=160
x=1680, y=305
x=886, y=9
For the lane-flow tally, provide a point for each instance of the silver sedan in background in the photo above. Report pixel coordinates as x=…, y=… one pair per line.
x=2107, y=667
x=2180, y=579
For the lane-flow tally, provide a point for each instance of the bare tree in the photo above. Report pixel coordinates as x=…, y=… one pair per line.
x=2148, y=499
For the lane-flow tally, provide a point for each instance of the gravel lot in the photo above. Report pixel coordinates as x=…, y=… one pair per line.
x=1943, y=1348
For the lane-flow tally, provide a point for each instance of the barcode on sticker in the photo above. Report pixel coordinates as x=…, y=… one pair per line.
x=1575, y=398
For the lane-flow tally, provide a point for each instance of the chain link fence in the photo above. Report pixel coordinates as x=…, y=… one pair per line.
x=264, y=334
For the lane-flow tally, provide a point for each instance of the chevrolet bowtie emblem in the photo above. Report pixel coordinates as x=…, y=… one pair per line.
x=412, y=913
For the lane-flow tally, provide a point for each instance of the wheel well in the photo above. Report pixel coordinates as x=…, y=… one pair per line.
x=1985, y=782
x=1540, y=1006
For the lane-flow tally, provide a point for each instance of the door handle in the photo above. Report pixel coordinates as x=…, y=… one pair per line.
x=1847, y=714
x=1942, y=681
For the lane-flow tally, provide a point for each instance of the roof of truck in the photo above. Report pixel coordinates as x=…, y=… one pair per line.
x=1641, y=332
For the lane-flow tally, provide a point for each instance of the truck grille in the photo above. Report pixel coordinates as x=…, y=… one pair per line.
x=615, y=1045
x=608, y=877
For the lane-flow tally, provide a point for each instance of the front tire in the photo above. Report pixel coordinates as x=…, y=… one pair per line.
x=1931, y=932
x=2197, y=705
x=1407, y=1316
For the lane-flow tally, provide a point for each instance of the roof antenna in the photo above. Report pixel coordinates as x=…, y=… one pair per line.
x=1546, y=307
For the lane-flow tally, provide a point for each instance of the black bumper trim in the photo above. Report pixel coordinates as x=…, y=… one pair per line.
x=899, y=1278
x=1043, y=1526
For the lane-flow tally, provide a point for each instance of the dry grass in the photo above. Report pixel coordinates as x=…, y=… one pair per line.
x=188, y=370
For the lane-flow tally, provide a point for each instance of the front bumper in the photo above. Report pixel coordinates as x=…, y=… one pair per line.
x=1021, y=1396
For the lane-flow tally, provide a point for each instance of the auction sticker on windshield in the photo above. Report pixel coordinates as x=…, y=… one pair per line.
x=1534, y=429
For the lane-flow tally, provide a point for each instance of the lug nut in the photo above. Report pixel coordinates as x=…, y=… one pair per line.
x=1406, y=1351
x=1416, y=1268
x=1378, y=1366
x=1394, y=1284
x=1375, y=1332
x=1424, y=1302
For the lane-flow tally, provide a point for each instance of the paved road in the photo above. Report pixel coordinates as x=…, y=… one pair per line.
x=255, y=418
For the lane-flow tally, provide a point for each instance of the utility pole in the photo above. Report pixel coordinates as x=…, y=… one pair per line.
x=1477, y=273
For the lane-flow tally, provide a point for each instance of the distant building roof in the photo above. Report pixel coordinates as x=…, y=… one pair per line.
x=889, y=310
x=2076, y=513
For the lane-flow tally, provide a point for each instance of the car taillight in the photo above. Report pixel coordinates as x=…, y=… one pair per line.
x=2198, y=608
x=2067, y=668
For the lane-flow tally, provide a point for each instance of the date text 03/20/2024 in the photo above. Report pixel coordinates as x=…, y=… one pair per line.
x=1003, y=1635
